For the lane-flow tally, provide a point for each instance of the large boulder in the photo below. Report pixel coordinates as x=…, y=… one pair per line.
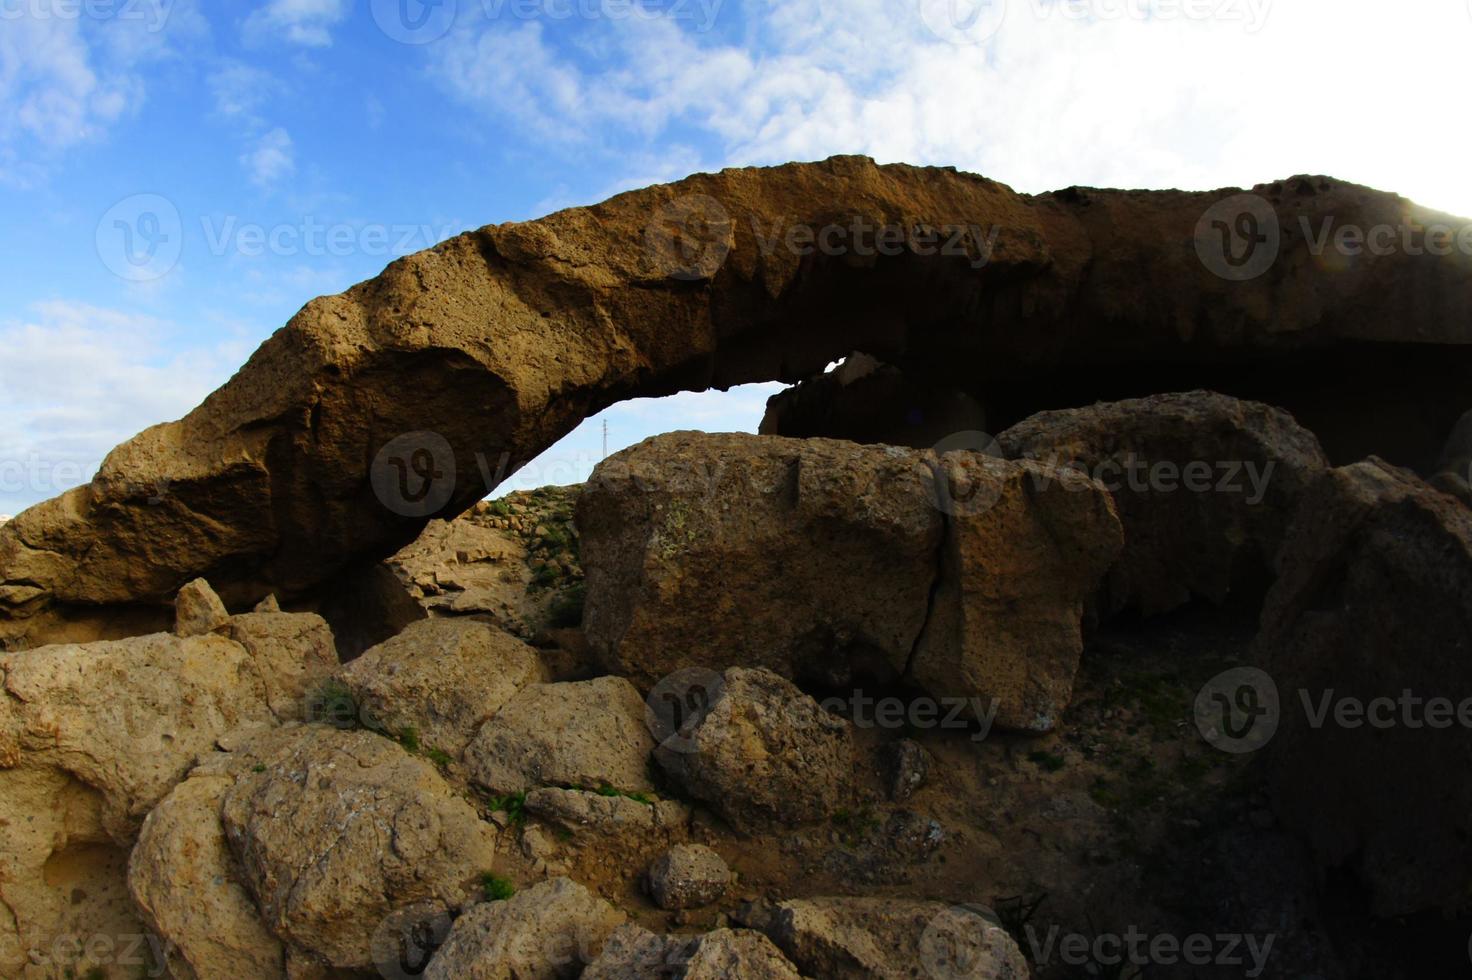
x=548, y=932
x=964, y=573
x=1367, y=637
x=407, y=397
x=634, y=953
x=335, y=831
x=187, y=887
x=808, y=557
x=441, y=678
x=590, y=734
x=1205, y=486
x=1025, y=546
x=93, y=736
x=763, y=754
x=891, y=939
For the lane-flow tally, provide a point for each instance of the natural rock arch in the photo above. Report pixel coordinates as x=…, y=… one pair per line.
x=501, y=340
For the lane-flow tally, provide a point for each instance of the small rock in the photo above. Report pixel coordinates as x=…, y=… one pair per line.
x=198, y=611
x=548, y=932
x=270, y=604
x=634, y=953
x=906, y=765
x=688, y=876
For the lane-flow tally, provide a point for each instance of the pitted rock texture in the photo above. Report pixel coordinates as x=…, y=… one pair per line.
x=93, y=736
x=1205, y=486
x=1373, y=607
x=410, y=395
x=441, y=679
x=834, y=563
x=336, y=830
x=548, y=932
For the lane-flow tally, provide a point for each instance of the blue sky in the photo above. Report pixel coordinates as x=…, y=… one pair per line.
x=293, y=147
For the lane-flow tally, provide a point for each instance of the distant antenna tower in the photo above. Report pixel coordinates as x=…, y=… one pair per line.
x=605, y=438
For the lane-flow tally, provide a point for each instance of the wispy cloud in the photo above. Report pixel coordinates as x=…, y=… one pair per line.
x=307, y=23
x=270, y=158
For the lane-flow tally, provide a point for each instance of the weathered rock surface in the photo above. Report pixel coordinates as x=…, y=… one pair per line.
x=905, y=765
x=550, y=931
x=335, y=830
x=1205, y=486
x=962, y=572
x=198, y=611
x=1025, y=546
x=187, y=887
x=442, y=678
x=891, y=939
x=611, y=820
x=634, y=953
x=688, y=876
x=764, y=755
x=461, y=362
x=863, y=400
x=1373, y=606
x=809, y=557
x=92, y=737
x=587, y=733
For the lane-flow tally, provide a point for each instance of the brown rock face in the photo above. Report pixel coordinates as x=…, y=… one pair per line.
x=1205, y=485
x=809, y=557
x=836, y=563
x=1368, y=638
x=408, y=396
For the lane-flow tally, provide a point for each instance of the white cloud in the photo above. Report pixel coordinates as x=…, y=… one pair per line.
x=307, y=23
x=240, y=90
x=270, y=158
x=1052, y=99
x=78, y=380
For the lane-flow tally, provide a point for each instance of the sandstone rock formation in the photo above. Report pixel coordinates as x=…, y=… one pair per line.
x=588, y=734
x=1205, y=486
x=764, y=754
x=963, y=573
x=814, y=558
x=336, y=830
x=409, y=396
x=92, y=737
x=1024, y=546
x=198, y=610
x=548, y=932
x=853, y=938
x=441, y=679
x=634, y=953
x=1373, y=607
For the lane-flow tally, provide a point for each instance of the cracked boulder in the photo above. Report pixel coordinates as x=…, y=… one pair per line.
x=1366, y=641
x=1205, y=486
x=335, y=831
x=442, y=679
x=590, y=734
